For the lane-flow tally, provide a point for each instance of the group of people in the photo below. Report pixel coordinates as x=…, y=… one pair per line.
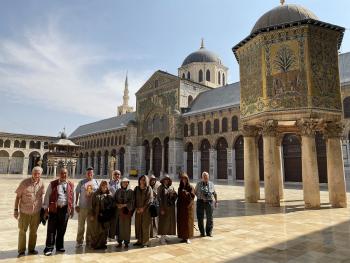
x=107, y=208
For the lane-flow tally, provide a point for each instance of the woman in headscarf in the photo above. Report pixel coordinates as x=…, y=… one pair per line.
x=101, y=214
x=166, y=197
x=124, y=198
x=143, y=198
x=185, y=209
x=154, y=185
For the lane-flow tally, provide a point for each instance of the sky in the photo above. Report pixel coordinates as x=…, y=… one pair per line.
x=63, y=62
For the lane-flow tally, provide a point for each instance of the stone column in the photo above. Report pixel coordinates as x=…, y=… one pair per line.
x=234, y=175
x=102, y=166
x=54, y=171
x=162, y=166
x=212, y=163
x=279, y=168
x=335, y=165
x=73, y=170
x=310, y=177
x=271, y=177
x=196, y=164
x=229, y=166
x=25, y=165
x=151, y=161
x=251, y=165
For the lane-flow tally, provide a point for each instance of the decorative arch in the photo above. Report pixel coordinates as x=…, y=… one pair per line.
x=216, y=126
x=205, y=155
x=221, y=148
x=183, y=75
x=7, y=144
x=219, y=77
x=157, y=156
x=121, y=160
x=188, y=75
x=4, y=161
x=208, y=127
x=34, y=158
x=189, y=161
x=16, y=164
x=16, y=144
x=239, y=157
x=200, y=76
x=207, y=75
x=234, y=125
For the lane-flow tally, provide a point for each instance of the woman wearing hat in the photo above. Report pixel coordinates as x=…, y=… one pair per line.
x=166, y=197
x=143, y=199
x=185, y=209
x=124, y=198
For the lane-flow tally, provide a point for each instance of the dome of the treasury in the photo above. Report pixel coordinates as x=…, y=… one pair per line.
x=201, y=55
x=283, y=14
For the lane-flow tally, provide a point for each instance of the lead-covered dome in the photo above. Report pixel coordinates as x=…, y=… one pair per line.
x=201, y=55
x=283, y=14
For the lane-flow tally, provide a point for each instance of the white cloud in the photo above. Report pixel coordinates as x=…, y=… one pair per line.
x=49, y=70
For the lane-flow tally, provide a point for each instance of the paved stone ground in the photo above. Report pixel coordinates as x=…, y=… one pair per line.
x=242, y=233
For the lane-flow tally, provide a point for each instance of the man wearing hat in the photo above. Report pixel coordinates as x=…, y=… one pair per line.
x=166, y=197
x=83, y=195
x=124, y=198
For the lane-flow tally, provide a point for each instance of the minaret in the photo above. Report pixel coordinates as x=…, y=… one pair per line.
x=125, y=108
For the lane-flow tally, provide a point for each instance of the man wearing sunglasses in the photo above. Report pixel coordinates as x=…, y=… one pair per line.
x=58, y=205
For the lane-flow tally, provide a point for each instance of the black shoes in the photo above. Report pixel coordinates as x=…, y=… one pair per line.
x=61, y=250
x=33, y=252
x=21, y=254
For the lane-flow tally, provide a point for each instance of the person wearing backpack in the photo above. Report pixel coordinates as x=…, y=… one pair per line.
x=83, y=195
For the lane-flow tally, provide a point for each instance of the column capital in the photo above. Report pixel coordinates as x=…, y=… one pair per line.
x=269, y=128
x=308, y=127
x=333, y=129
x=250, y=130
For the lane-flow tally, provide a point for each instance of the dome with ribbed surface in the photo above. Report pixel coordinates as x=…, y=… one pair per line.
x=283, y=14
x=202, y=55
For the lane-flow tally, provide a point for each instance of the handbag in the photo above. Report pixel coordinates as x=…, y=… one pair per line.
x=153, y=209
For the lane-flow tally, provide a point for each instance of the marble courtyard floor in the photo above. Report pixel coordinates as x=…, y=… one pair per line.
x=242, y=233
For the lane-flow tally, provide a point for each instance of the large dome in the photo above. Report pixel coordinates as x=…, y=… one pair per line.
x=283, y=14
x=202, y=55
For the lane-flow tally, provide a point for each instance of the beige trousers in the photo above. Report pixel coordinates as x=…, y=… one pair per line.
x=25, y=221
x=84, y=216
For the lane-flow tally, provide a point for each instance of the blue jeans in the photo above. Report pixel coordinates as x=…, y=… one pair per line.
x=207, y=207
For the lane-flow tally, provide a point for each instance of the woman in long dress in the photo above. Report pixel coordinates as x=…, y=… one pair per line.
x=143, y=198
x=124, y=198
x=166, y=197
x=101, y=215
x=185, y=209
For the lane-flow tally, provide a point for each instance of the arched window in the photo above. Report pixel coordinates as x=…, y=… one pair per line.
x=200, y=128
x=223, y=79
x=7, y=144
x=104, y=142
x=32, y=145
x=207, y=75
x=208, y=127
x=16, y=144
x=183, y=75
x=188, y=75
x=224, y=125
x=120, y=140
x=219, y=77
x=1, y=143
x=116, y=140
x=216, y=126
x=46, y=145
x=23, y=144
x=234, y=123
x=200, y=76
x=346, y=105
x=192, y=129
x=190, y=99
x=185, y=130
